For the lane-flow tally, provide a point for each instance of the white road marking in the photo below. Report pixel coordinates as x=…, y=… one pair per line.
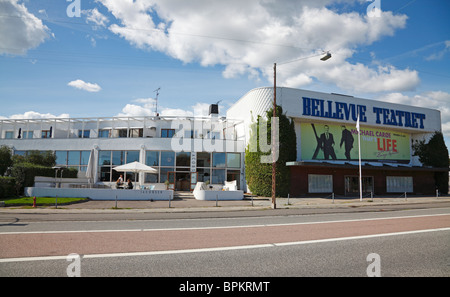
x=202, y=250
x=222, y=227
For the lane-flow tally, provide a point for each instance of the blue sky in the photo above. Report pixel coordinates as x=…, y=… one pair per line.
x=111, y=59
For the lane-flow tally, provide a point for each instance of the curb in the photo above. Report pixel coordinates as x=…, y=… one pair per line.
x=259, y=204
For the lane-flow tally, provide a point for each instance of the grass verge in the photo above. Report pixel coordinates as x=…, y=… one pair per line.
x=41, y=201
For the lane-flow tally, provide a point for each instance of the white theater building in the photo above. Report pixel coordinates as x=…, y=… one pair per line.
x=186, y=150
x=327, y=158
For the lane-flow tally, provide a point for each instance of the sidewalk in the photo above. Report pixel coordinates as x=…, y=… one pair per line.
x=193, y=205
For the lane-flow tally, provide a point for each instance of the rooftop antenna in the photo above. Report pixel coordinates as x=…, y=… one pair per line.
x=157, y=93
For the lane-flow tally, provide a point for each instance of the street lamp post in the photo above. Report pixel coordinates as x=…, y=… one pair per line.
x=274, y=163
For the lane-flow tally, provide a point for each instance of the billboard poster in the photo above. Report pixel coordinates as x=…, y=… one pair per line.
x=340, y=142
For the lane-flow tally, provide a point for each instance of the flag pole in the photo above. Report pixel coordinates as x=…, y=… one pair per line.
x=359, y=152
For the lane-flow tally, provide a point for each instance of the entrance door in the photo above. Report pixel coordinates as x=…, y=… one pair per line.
x=179, y=181
x=352, y=184
x=171, y=179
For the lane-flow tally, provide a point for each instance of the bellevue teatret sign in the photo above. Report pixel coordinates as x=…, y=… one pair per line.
x=349, y=111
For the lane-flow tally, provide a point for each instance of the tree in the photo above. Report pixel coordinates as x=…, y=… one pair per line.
x=434, y=154
x=35, y=163
x=5, y=159
x=259, y=174
x=42, y=158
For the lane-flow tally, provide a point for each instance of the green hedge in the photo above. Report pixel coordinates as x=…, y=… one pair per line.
x=7, y=187
x=259, y=175
x=24, y=174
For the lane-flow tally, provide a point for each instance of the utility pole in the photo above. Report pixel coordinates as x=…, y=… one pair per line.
x=274, y=163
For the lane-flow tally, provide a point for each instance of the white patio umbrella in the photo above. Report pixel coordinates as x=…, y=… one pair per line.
x=135, y=167
x=90, y=167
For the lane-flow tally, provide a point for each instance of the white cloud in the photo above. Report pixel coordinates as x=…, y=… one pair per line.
x=146, y=107
x=247, y=37
x=37, y=115
x=82, y=85
x=435, y=100
x=94, y=16
x=176, y=112
x=360, y=78
x=131, y=110
x=19, y=29
x=440, y=55
x=199, y=109
x=147, y=102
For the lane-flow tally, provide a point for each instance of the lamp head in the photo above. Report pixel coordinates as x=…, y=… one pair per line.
x=326, y=57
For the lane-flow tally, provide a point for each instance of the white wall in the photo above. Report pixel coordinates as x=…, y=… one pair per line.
x=100, y=194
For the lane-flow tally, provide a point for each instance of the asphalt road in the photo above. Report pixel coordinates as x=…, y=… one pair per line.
x=407, y=243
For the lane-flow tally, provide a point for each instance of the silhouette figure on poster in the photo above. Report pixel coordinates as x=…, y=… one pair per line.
x=325, y=142
x=347, y=139
x=319, y=144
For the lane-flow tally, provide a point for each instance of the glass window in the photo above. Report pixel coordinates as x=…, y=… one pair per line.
x=105, y=173
x=234, y=160
x=118, y=157
x=352, y=184
x=120, y=133
x=152, y=158
x=189, y=134
x=234, y=175
x=20, y=153
x=9, y=134
x=128, y=175
x=218, y=176
x=151, y=177
x=116, y=174
x=28, y=134
x=46, y=134
x=318, y=183
x=203, y=159
x=104, y=158
x=85, y=157
x=132, y=156
x=167, y=133
x=103, y=133
x=399, y=184
x=84, y=134
x=73, y=158
x=215, y=135
x=61, y=157
x=183, y=159
x=167, y=159
x=136, y=132
x=204, y=174
x=218, y=159
x=164, y=171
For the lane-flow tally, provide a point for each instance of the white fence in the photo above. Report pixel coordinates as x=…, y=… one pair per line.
x=100, y=194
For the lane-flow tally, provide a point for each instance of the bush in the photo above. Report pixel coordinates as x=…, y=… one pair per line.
x=7, y=187
x=24, y=174
x=43, y=158
x=5, y=158
x=259, y=175
x=434, y=154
